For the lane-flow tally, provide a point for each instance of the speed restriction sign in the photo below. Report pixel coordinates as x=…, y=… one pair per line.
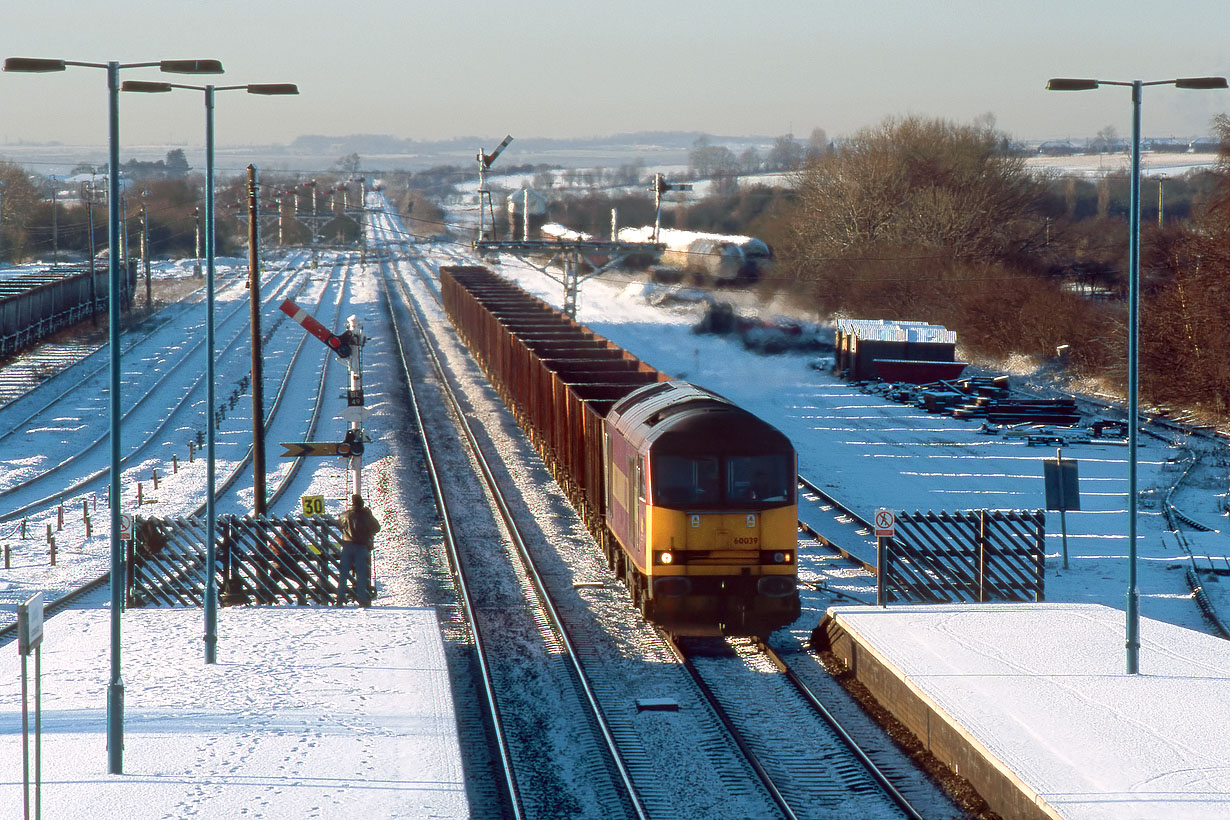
x=885, y=522
x=313, y=505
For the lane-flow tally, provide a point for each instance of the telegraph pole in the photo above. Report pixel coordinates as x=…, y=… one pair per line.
x=258, y=388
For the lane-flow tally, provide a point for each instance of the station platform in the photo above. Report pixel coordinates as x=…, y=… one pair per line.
x=1031, y=703
x=309, y=712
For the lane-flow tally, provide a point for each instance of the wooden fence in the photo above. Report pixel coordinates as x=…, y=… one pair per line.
x=263, y=559
x=979, y=555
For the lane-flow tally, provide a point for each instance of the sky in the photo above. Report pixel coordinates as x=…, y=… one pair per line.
x=425, y=69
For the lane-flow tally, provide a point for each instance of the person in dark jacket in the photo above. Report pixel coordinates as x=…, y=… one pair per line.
x=359, y=527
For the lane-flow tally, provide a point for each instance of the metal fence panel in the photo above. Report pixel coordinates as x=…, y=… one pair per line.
x=978, y=555
x=260, y=559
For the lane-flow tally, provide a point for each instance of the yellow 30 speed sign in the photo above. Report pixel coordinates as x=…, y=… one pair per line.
x=313, y=505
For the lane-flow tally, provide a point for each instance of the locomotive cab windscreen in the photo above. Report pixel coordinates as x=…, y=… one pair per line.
x=722, y=460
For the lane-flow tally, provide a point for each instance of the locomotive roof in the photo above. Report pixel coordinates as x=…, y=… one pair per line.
x=659, y=411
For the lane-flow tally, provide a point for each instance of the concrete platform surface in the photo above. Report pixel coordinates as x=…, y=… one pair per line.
x=1042, y=690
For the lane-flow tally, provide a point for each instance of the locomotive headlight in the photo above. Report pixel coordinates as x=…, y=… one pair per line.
x=783, y=557
x=665, y=557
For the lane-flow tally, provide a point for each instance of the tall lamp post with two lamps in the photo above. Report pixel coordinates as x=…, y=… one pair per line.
x=27, y=65
x=1133, y=387
x=211, y=549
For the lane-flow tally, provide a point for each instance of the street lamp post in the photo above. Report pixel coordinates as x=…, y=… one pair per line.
x=1133, y=387
x=211, y=547
x=115, y=688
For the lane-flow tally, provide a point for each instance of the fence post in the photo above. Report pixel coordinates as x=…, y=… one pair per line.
x=982, y=556
x=322, y=560
x=130, y=577
x=60, y=517
x=883, y=548
x=1040, y=554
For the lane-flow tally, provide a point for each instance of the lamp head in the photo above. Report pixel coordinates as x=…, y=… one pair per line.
x=145, y=87
x=1201, y=82
x=190, y=66
x=1068, y=84
x=273, y=89
x=31, y=65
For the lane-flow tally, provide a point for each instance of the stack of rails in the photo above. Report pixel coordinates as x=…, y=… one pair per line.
x=1018, y=411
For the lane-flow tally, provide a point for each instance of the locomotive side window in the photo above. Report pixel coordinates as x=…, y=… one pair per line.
x=763, y=478
x=683, y=480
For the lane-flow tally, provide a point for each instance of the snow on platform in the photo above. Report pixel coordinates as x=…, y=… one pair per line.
x=311, y=712
x=1042, y=690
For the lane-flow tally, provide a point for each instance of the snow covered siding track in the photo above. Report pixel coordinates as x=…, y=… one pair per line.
x=168, y=387
x=616, y=795
x=335, y=288
x=82, y=557
x=835, y=525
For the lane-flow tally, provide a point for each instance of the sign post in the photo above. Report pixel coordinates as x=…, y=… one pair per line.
x=30, y=638
x=1062, y=491
x=885, y=531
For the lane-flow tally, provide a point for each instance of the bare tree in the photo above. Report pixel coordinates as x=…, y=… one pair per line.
x=915, y=183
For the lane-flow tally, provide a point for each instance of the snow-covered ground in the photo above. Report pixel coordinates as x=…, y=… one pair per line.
x=870, y=453
x=242, y=753
x=309, y=713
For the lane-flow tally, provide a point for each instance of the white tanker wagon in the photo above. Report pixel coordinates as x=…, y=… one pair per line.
x=720, y=258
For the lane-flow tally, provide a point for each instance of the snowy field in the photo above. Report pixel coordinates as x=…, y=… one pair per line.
x=242, y=757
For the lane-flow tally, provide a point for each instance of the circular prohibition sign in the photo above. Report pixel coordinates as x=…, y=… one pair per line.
x=884, y=523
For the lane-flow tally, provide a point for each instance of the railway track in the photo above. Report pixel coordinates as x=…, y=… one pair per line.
x=768, y=709
x=69, y=583
x=524, y=795
x=647, y=772
x=65, y=477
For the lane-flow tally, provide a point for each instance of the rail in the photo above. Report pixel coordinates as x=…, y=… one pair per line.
x=544, y=597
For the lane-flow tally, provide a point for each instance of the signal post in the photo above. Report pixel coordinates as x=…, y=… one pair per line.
x=348, y=347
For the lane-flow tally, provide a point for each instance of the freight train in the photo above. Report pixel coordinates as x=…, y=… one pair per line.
x=691, y=498
x=35, y=305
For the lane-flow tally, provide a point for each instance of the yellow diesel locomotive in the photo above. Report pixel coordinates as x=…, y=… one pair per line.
x=700, y=496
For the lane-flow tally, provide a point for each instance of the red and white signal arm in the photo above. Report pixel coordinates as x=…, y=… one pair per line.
x=885, y=523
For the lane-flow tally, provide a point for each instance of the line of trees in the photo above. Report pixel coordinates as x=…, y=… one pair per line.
x=932, y=220
x=172, y=196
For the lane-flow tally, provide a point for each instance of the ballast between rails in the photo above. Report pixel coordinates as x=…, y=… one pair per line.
x=629, y=791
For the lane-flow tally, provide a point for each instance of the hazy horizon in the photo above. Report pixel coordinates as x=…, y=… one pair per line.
x=428, y=71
